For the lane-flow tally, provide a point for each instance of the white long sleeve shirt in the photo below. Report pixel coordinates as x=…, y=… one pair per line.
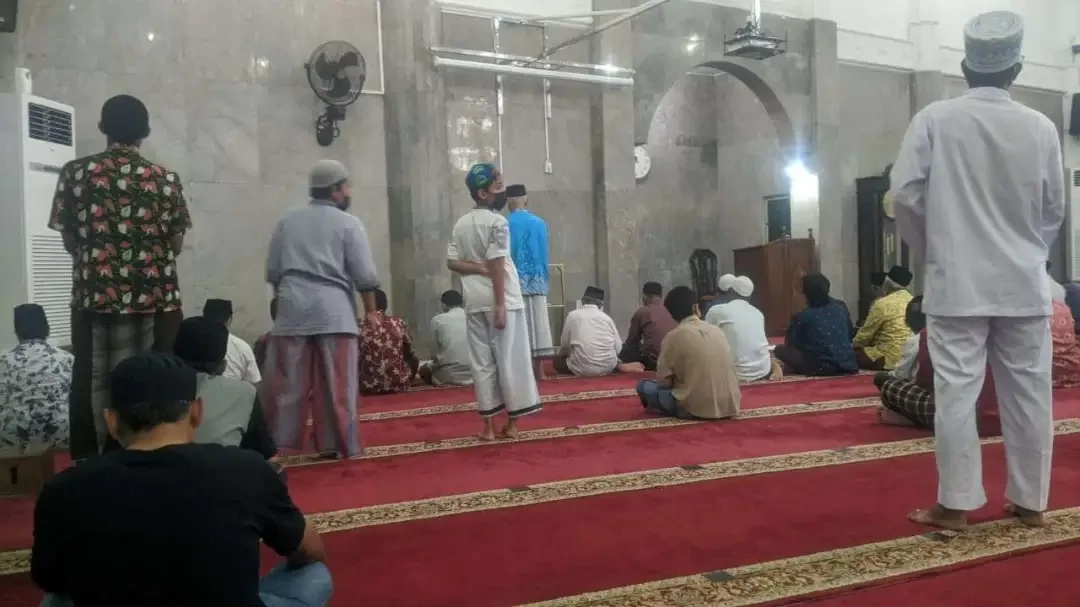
x=590, y=341
x=979, y=195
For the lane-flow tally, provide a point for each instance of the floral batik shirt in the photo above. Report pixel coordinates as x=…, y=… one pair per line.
x=120, y=212
x=35, y=379
x=385, y=349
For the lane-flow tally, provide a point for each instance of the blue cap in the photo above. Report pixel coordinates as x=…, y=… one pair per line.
x=481, y=176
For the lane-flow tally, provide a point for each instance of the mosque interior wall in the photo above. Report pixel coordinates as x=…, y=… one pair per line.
x=232, y=112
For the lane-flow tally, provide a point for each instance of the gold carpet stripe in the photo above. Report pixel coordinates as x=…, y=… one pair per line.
x=804, y=575
x=583, y=430
x=18, y=561
x=564, y=397
x=384, y=514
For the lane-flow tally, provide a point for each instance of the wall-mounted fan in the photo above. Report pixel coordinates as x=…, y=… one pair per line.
x=336, y=72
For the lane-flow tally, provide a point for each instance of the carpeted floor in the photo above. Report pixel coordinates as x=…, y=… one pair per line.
x=802, y=501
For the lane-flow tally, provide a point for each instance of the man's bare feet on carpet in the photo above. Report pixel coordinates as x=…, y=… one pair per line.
x=630, y=368
x=1030, y=518
x=892, y=418
x=509, y=432
x=940, y=517
x=488, y=433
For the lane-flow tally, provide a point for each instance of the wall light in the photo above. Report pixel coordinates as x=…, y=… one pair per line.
x=804, y=184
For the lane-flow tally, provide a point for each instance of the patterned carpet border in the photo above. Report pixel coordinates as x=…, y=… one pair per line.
x=384, y=514
x=18, y=561
x=551, y=398
x=583, y=430
x=859, y=565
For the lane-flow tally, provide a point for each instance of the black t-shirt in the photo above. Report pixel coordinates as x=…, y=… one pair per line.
x=179, y=526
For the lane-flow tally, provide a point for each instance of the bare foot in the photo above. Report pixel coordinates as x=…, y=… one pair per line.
x=510, y=432
x=631, y=368
x=487, y=435
x=940, y=517
x=1030, y=518
x=892, y=418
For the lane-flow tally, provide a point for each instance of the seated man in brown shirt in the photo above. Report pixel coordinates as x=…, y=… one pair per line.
x=695, y=375
x=648, y=327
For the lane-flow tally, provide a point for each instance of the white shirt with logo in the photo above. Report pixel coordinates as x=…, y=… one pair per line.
x=480, y=236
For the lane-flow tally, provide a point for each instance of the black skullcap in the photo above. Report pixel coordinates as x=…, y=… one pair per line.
x=201, y=340
x=151, y=378
x=515, y=191
x=877, y=278
x=30, y=322
x=594, y=292
x=220, y=310
x=900, y=275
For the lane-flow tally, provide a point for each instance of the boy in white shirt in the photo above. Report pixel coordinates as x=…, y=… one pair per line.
x=498, y=331
x=240, y=360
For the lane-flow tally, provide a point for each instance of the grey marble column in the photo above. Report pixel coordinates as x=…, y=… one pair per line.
x=617, y=230
x=417, y=164
x=8, y=53
x=831, y=233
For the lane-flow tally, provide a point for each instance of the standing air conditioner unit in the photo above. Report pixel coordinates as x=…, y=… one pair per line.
x=36, y=140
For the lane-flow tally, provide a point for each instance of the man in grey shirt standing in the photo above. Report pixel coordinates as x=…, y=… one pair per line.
x=319, y=257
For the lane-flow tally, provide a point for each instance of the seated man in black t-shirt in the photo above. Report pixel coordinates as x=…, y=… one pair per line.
x=167, y=522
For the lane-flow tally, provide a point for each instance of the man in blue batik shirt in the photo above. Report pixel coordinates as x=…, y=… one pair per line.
x=529, y=250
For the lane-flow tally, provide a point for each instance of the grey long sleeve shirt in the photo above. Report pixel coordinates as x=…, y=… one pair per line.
x=319, y=257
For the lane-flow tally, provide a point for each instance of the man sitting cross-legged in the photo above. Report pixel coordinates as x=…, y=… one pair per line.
x=744, y=327
x=182, y=521
x=695, y=377
x=232, y=414
x=590, y=342
x=387, y=361
x=240, y=361
x=648, y=327
x=451, y=365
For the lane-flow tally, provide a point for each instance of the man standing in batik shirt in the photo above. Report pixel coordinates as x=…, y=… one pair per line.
x=319, y=258
x=496, y=325
x=123, y=220
x=529, y=250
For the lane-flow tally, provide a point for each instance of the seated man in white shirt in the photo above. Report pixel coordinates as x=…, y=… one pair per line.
x=744, y=327
x=240, y=360
x=451, y=366
x=590, y=341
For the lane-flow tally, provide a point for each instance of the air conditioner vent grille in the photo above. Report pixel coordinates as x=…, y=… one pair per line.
x=49, y=125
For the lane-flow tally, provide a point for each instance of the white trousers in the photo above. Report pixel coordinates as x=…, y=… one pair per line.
x=536, y=315
x=502, y=365
x=1019, y=351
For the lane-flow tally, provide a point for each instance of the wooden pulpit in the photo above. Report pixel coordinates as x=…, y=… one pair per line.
x=777, y=270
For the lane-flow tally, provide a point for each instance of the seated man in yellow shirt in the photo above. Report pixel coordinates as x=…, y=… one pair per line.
x=879, y=344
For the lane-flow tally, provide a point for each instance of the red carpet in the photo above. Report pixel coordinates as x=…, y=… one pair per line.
x=519, y=555
x=577, y=413
x=1044, y=578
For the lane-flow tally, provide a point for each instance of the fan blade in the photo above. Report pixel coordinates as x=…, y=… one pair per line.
x=349, y=59
x=326, y=70
x=341, y=89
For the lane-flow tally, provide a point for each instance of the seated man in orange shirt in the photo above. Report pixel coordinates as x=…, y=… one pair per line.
x=387, y=361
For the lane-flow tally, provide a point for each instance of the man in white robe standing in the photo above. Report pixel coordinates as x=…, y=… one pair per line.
x=979, y=197
x=497, y=328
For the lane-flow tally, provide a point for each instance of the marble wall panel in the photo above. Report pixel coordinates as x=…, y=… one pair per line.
x=230, y=111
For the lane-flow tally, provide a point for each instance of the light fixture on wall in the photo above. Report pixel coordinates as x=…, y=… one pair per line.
x=804, y=183
x=692, y=44
x=752, y=41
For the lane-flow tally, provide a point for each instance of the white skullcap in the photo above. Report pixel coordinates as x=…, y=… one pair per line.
x=725, y=282
x=743, y=286
x=993, y=42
